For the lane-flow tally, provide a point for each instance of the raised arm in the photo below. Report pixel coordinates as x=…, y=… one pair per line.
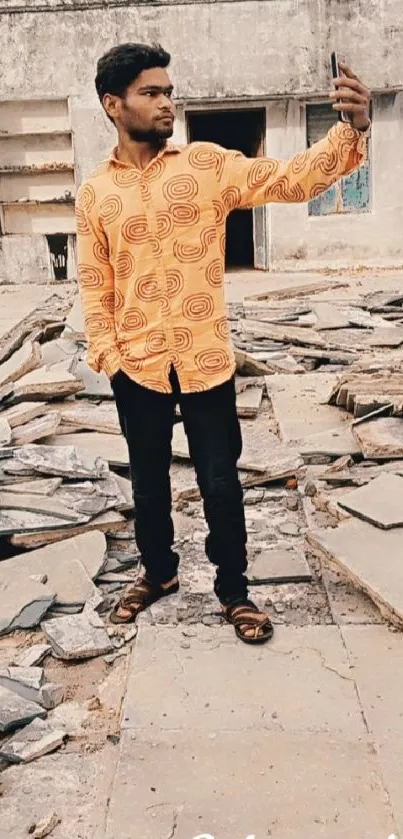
x=251, y=182
x=96, y=280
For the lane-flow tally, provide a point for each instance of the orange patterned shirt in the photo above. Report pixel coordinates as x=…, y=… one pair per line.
x=151, y=252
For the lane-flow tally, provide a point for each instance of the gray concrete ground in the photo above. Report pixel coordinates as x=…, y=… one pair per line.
x=198, y=735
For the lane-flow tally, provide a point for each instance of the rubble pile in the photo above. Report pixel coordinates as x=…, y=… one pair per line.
x=320, y=399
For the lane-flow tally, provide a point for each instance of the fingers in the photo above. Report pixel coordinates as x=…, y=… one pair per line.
x=349, y=95
x=349, y=107
x=347, y=70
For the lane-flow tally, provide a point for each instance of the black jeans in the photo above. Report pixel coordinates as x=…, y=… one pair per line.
x=215, y=444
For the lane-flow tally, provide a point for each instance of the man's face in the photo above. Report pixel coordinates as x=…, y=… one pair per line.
x=146, y=112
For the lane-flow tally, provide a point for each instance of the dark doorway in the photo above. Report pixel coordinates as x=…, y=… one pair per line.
x=57, y=243
x=243, y=131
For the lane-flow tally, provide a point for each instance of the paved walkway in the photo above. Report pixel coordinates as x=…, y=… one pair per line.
x=300, y=739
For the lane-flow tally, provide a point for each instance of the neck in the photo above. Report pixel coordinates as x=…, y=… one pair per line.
x=136, y=152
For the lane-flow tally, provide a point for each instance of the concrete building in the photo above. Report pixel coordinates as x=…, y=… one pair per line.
x=250, y=74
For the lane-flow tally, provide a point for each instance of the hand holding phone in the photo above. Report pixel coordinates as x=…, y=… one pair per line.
x=351, y=98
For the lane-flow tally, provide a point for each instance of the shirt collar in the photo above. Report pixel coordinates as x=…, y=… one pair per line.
x=169, y=148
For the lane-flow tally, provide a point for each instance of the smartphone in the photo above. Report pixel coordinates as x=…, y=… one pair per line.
x=336, y=73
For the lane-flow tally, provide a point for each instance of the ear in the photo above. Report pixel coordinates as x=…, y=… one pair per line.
x=111, y=105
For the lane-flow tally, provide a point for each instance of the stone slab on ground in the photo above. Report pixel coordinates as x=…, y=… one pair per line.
x=300, y=404
x=320, y=693
x=335, y=442
x=74, y=784
x=16, y=711
x=89, y=417
x=376, y=657
x=22, y=607
x=36, y=429
x=26, y=681
x=5, y=432
x=32, y=656
x=23, y=412
x=279, y=566
x=381, y=438
x=39, y=504
x=35, y=740
x=110, y=522
x=380, y=502
x=64, y=459
x=69, y=566
x=96, y=385
x=370, y=558
x=75, y=637
x=27, y=358
x=42, y=384
x=190, y=783
x=90, y=443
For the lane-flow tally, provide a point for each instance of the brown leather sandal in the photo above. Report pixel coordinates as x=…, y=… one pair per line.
x=138, y=597
x=247, y=616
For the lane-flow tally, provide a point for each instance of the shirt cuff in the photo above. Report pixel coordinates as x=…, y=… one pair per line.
x=110, y=362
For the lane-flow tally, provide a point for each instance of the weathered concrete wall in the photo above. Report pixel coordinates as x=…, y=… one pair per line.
x=298, y=240
x=223, y=49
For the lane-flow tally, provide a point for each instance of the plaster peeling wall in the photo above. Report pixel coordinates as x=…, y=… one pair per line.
x=270, y=51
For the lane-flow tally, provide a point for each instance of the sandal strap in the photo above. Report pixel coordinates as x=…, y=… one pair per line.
x=247, y=614
x=137, y=595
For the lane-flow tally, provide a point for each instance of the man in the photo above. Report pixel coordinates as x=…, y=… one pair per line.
x=151, y=238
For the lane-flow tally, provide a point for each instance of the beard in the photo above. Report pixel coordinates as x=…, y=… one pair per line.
x=154, y=136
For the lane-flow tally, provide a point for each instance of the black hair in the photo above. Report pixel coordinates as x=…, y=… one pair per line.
x=121, y=66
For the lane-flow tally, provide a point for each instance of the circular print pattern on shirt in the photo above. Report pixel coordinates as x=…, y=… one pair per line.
x=212, y=361
x=180, y=188
x=110, y=209
x=198, y=306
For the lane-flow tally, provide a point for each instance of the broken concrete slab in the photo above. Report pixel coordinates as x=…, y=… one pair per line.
x=380, y=439
x=110, y=522
x=64, y=460
x=50, y=695
x=74, y=324
x=42, y=384
x=38, y=486
x=37, y=429
x=75, y=637
x=5, y=432
x=248, y=402
x=33, y=656
x=300, y=405
x=329, y=317
x=85, y=416
x=59, y=350
x=23, y=361
x=43, y=504
x=26, y=681
x=69, y=566
x=23, y=522
x=95, y=385
x=278, y=565
x=370, y=558
x=22, y=606
x=23, y=412
x=16, y=711
x=380, y=502
x=248, y=365
x=35, y=740
x=89, y=444
x=335, y=442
